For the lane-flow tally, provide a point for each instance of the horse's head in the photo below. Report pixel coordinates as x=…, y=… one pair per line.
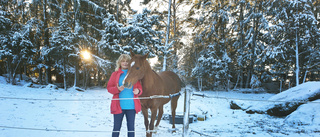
x=137, y=69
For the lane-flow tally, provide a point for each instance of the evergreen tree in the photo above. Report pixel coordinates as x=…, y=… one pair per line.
x=214, y=58
x=295, y=38
x=5, y=42
x=111, y=37
x=140, y=35
x=62, y=46
x=256, y=24
x=239, y=26
x=15, y=39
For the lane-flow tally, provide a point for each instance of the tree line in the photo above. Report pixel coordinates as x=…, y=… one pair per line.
x=247, y=43
x=210, y=43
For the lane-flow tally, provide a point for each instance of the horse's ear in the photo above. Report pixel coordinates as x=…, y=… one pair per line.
x=131, y=53
x=146, y=56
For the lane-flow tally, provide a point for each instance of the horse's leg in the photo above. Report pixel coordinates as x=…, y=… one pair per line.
x=153, y=118
x=174, y=103
x=146, y=121
x=160, y=113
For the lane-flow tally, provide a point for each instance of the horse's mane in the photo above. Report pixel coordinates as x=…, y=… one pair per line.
x=155, y=78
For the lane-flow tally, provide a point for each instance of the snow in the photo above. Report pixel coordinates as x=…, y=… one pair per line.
x=292, y=96
x=50, y=112
x=310, y=113
x=299, y=93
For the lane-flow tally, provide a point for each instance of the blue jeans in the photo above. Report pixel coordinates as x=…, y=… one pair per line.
x=117, y=122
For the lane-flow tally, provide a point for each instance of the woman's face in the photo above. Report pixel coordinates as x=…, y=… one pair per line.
x=124, y=64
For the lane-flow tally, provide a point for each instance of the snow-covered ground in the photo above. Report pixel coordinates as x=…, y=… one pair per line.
x=57, y=113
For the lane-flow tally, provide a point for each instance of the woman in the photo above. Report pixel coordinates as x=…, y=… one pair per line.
x=121, y=106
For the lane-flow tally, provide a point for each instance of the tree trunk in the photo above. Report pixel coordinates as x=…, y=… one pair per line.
x=9, y=70
x=228, y=84
x=85, y=77
x=46, y=42
x=241, y=42
x=76, y=6
x=21, y=72
x=99, y=78
x=297, y=53
x=40, y=76
x=89, y=78
x=248, y=78
x=76, y=75
x=305, y=76
x=48, y=74
x=117, y=7
x=167, y=39
x=253, y=47
x=64, y=74
x=25, y=70
x=175, y=39
x=175, y=47
x=241, y=77
x=200, y=83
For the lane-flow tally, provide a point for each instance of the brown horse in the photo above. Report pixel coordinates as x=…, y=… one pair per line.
x=165, y=83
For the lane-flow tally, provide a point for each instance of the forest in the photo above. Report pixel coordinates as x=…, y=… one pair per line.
x=211, y=44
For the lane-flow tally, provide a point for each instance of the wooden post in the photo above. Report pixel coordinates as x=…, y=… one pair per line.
x=186, y=113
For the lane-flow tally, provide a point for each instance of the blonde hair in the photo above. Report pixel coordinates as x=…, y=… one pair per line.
x=123, y=57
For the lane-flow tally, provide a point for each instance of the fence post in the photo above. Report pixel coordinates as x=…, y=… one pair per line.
x=186, y=113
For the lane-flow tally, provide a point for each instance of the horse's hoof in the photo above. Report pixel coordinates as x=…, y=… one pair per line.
x=173, y=130
x=152, y=131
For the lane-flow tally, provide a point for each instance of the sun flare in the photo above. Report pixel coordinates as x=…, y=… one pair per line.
x=86, y=55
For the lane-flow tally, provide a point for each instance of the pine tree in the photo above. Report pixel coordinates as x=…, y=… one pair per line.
x=111, y=37
x=215, y=60
x=5, y=42
x=295, y=37
x=62, y=46
x=140, y=35
x=16, y=43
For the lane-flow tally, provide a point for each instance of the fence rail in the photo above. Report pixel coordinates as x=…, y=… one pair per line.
x=255, y=100
x=66, y=130
x=106, y=99
x=160, y=96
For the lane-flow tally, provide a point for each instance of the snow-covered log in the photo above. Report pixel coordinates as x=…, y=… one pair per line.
x=306, y=114
x=283, y=103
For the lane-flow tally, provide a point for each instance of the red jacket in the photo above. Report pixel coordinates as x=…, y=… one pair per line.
x=113, y=89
